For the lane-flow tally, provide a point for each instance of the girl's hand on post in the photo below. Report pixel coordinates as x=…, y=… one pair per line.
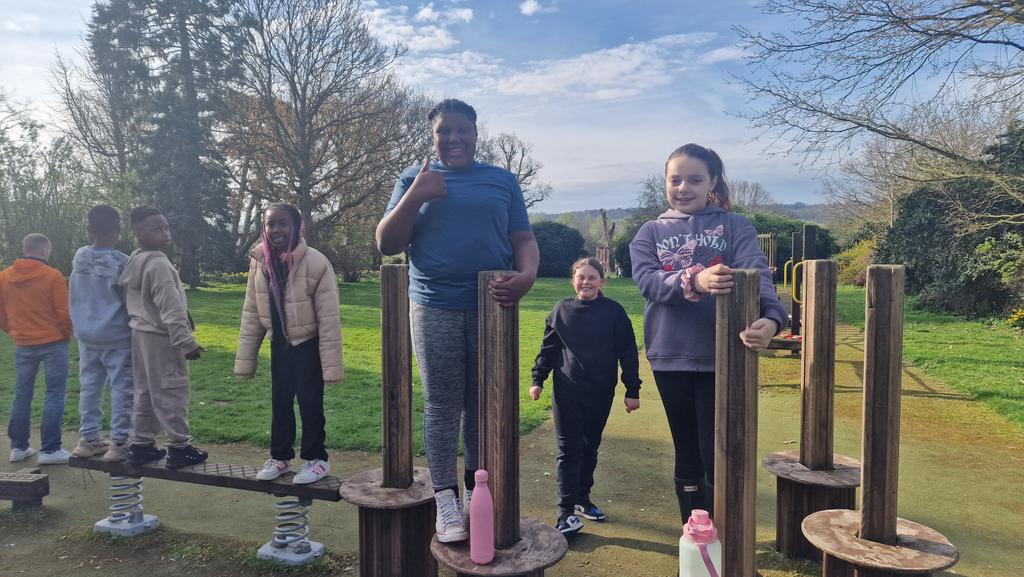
x=428, y=185
x=716, y=280
x=632, y=404
x=535, y=392
x=759, y=334
x=508, y=289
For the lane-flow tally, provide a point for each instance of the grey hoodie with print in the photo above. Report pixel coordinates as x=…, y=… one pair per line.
x=680, y=334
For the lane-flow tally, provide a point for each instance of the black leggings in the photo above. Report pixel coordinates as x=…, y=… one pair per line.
x=296, y=374
x=689, y=399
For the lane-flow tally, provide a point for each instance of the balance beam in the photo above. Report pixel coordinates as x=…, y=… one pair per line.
x=239, y=477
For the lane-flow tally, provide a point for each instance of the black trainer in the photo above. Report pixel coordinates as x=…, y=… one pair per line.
x=141, y=454
x=185, y=456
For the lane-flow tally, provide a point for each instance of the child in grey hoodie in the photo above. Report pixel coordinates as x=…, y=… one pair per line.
x=104, y=337
x=687, y=253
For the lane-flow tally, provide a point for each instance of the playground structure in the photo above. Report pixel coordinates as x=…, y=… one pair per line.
x=522, y=546
x=875, y=542
x=813, y=479
x=869, y=543
x=396, y=502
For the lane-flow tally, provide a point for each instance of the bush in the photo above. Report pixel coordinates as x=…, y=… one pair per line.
x=560, y=246
x=854, y=261
x=1016, y=320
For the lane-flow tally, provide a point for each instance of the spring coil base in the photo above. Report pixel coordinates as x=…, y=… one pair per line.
x=290, y=544
x=126, y=517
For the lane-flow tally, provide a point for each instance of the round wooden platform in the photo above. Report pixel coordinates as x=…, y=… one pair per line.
x=786, y=465
x=364, y=490
x=541, y=547
x=918, y=550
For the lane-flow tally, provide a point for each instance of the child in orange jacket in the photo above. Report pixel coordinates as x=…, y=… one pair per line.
x=34, y=312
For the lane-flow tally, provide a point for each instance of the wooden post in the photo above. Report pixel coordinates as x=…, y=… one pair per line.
x=499, y=408
x=819, y=361
x=396, y=502
x=396, y=370
x=736, y=425
x=810, y=250
x=798, y=255
x=883, y=363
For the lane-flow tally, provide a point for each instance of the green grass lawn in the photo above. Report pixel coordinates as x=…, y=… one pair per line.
x=226, y=409
x=982, y=359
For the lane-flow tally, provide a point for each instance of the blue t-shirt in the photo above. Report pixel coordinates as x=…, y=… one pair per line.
x=457, y=236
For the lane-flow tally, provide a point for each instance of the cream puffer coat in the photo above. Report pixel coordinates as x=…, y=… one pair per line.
x=311, y=309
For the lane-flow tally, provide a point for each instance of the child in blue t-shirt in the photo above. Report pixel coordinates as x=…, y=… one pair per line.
x=455, y=217
x=100, y=322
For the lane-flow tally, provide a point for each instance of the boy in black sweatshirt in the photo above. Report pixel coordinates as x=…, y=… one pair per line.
x=585, y=339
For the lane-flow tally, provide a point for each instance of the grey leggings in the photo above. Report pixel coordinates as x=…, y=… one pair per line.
x=446, y=344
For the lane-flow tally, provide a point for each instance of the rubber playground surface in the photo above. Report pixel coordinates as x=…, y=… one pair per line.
x=961, y=473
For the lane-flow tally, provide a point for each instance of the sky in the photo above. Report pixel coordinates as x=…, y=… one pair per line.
x=603, y=90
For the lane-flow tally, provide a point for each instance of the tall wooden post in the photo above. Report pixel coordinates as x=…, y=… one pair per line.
x=396, y=502
x=396, y=371
x=736, y=425
x=813, y=479
x=523, y=547
x=818, y=375
x=883, y=365
x=875, y=542
x=798, y=255
x=809, y=242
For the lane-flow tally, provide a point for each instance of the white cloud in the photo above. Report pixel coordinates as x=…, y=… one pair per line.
x=426, y=31
x=610, y=74
x=440, y=69
x=531, y=7
x=724, y=54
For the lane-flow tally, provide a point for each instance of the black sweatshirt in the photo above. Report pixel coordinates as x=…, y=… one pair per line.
x=584, y=341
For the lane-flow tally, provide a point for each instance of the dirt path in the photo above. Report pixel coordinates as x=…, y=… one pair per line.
x=961, y=473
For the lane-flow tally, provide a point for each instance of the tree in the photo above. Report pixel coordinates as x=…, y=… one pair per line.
x=940, y=76
x=336, y=119
x=751, y=195
x=559, y=245
x=516, y=156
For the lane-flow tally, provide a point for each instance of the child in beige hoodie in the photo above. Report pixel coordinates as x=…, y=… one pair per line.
x=162, y=345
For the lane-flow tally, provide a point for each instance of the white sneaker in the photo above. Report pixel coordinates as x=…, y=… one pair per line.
x=58, y=457
x=21, y=454
x=449, y=525
x=467, y=496
x=273, y=469
x=311, y=472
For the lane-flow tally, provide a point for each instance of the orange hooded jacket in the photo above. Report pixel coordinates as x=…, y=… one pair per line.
x=34, y=303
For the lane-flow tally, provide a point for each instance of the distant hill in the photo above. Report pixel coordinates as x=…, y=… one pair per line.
x=817, y=213
x=613, y=214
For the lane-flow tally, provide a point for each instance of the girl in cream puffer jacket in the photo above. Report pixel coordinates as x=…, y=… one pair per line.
x=292, y=296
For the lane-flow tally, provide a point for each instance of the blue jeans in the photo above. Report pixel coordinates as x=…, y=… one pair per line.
x=54, y=357
x=97, y=367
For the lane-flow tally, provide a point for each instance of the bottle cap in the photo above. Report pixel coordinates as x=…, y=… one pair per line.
x=480, y=476
x=699, y=528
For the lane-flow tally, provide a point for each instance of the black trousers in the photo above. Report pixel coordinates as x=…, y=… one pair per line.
x=296, y=373
x=579, y=424
x=689, y=399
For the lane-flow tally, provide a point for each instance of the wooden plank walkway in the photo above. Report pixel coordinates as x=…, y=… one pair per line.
x=241, y=477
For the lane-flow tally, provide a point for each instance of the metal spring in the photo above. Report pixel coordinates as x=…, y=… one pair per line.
x=292, y=524
x=126, y=500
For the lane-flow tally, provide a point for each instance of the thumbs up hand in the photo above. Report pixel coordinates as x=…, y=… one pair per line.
x=428, y=185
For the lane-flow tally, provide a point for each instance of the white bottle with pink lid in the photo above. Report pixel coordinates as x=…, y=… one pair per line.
x=700, y=553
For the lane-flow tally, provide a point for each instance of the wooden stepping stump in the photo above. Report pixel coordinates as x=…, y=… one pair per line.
x=396, y=501
x=541, y=547
x=919, y=550
x=395, y=525
x=802, y=491
x=25, y=488
x=814, y=478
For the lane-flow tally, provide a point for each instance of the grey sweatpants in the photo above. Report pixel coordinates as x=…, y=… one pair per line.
x=446, y=345
x=161, y=390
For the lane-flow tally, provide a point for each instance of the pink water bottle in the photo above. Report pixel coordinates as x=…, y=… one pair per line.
x=481, y=522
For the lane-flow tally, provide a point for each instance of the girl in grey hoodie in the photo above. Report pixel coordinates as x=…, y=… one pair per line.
x=687, y=253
